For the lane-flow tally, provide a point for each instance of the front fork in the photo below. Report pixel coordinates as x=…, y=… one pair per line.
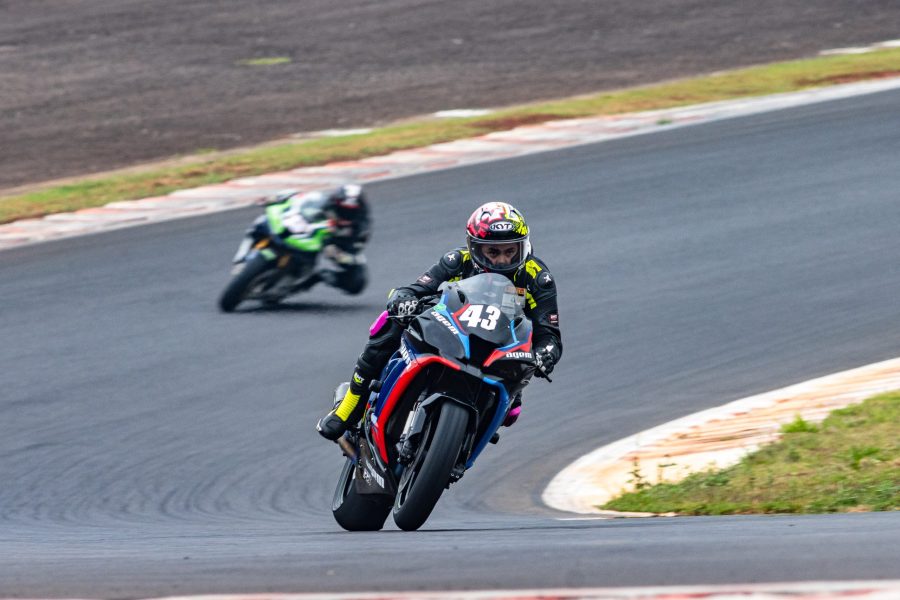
x=243, y=250
x=415, y=425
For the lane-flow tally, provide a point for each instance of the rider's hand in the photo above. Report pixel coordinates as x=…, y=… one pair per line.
x=544, y=361
x=402, y=304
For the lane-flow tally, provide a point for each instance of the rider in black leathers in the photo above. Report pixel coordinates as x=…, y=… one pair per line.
x=498, y=242
x=348, y=208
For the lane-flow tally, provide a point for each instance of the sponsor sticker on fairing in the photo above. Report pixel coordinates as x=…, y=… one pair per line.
x=404, y=353
x=371, y=474
x=443, y=320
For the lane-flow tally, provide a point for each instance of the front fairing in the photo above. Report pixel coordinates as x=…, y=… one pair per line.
x=476, y=343
x=300, y=222
x=478, y=321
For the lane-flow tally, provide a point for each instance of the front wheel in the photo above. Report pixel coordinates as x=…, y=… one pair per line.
x=425, y=479
x=250, y=276
x=357, y=512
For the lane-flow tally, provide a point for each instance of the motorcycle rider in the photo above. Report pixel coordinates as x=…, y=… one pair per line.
x=348, y=207
x=497, y=242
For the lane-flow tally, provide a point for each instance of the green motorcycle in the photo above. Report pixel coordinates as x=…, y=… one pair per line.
x=279, y=255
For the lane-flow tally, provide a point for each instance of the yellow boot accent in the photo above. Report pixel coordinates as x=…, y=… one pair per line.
x=347, y=405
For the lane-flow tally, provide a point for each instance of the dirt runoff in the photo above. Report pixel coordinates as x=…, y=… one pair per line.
x=94, y=85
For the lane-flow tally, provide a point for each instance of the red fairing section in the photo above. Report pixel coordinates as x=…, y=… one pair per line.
x=456, y=317
x=397, y=391
x=498, y=354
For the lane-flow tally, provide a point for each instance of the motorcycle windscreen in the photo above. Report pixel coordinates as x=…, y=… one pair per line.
x=488, y=306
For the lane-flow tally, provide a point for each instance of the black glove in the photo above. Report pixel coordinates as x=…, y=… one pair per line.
x=544, y=361
x=402, y=304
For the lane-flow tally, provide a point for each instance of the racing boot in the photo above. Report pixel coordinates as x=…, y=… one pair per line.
x=514, y=409
x=348, y=409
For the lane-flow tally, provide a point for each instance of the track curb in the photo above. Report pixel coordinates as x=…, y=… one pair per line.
x=858, y=590
x=521, y=141
x=714, y=438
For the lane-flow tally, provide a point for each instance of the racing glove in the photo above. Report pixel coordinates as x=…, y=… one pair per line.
x=544, y=361
x=402, y=303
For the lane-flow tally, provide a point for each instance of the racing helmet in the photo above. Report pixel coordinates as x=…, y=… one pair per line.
x=497, y=237
x=348, y=201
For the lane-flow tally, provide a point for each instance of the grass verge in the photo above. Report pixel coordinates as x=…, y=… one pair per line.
x=205, y=168
x=848, y=463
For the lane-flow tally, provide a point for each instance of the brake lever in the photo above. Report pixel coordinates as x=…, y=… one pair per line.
x=543, y=371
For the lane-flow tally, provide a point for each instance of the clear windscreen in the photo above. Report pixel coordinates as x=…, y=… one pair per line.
x=493, y=289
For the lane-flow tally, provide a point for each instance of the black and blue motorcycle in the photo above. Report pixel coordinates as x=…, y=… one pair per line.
x=440, y=401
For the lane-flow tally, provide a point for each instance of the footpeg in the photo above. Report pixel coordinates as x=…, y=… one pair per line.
x=347, y=447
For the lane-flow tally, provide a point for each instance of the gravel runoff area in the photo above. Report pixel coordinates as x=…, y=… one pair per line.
x=94, y=85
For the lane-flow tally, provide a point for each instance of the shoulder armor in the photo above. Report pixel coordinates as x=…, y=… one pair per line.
x=453, y=261
x=545, y=281
x=539, y=274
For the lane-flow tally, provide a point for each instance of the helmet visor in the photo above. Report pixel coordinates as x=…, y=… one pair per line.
x=496, y=256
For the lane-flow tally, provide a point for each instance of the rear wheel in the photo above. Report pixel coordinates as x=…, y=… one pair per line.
x=358, y=512
x=251, y=276
x=425, y=479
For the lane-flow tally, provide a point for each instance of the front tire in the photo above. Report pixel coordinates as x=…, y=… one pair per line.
x=243, y=282
x=357, y=512
x=427, y=476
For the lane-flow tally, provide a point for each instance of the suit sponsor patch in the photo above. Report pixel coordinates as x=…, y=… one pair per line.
x=425, y=279
x=553, y=318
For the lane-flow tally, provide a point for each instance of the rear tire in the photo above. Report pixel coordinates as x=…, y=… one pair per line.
x=237, y=288
x=358, y=512
x=427, y=476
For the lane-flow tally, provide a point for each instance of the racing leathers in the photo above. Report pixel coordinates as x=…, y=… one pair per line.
x=533, y=281
x=345, y=253
x=348, y=208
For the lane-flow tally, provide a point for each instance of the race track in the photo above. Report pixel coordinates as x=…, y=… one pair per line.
x=153, y=446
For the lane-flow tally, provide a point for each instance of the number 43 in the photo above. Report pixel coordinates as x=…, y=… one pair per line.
x=472, y=316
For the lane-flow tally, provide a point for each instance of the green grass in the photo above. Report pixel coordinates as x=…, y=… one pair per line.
x=204, y=168
x=849, y=462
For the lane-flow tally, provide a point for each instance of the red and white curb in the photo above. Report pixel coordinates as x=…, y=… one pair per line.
x=520, y=141
x=868, y=590
x=858, y=590
x=714, y=438
x=862, y=49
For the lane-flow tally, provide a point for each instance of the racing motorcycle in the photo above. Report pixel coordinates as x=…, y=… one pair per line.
x=440, y=401
x=278, y=256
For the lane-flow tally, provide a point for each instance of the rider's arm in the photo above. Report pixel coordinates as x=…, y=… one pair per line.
x=353, y=235
x=544, y=314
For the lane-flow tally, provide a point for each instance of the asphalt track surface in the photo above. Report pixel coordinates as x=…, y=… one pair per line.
x=93, y=85
x=151, y=445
